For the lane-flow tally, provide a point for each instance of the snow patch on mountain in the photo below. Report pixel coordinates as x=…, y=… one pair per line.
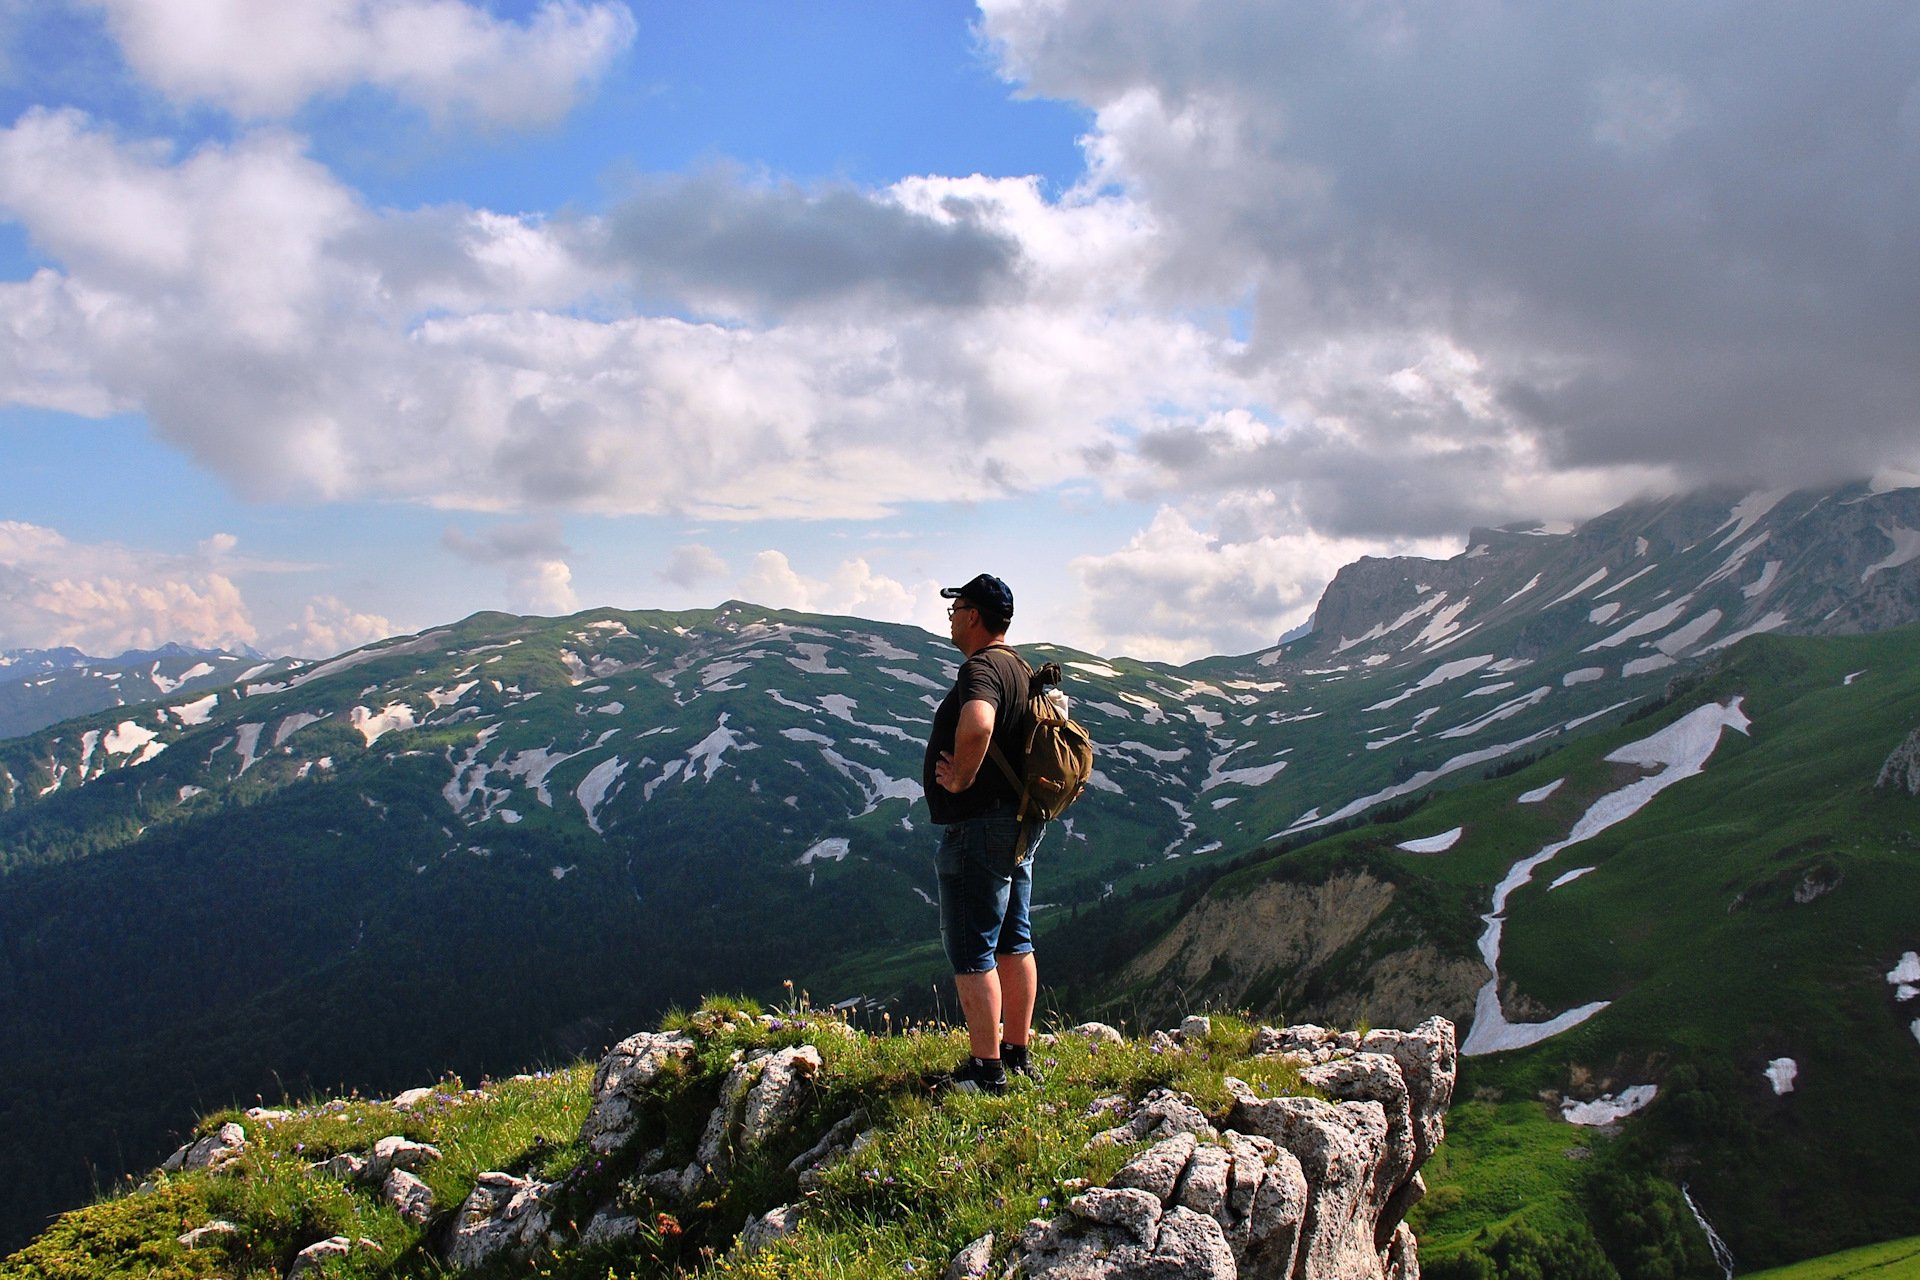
x=246, y=745
x=1748, y=511
x=813, y=661
x=393, y=718
x=1659, y=620
x=1581, y=676
x=1593, y=579
x=290, y=725
x=1771, y=622
x=1512, y=707
x=197, y=712
x=1609, y=1107
x=1781, y=1074
x=1906, y=547
x=1433, y=844
x=126, y=737
x=1538, y=794
x=712, y=749
x=1769, y=573
x=1532, y=582
x=833, y=849
x=1684, y=637
x=592, y=791
x=1439, y=675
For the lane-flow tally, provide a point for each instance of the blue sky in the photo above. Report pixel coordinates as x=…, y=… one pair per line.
x=349, y=317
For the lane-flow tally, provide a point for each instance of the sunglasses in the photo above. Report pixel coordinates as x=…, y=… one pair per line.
x=957, y=607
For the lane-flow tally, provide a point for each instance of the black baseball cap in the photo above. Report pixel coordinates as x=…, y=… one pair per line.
x=986, y=591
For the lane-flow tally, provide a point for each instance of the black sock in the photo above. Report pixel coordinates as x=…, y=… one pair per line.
x=1014, y=1055
x=990, y=1067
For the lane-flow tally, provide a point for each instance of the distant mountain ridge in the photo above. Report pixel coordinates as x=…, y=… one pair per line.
x=587, y=819
x=39, y=687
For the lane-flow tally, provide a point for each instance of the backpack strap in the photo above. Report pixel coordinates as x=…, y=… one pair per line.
x=993, y=748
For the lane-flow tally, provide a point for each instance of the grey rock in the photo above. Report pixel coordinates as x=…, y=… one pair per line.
x=1157, y=1170
x=1196, y=1026
x=1134, y=1211
x=410, y=1197
x=1186, y=1246
x=1429, y=1064
x=622, y=1079
x=412, y=1098
x=314, y=1258
x=828, y=1151
x=346, y=1166
x=608, y=1227
x=764, y=1229
x=1374, y=1077
x=1203, y=1188
x=1902, y=768
x=210, y=1152
x=214, y=1232
x=1339, y=1148
x=1274, y=1223
x=1402, y=1259
x=503, y=1215
x=973, y=1262
x=777, y=1096
x=1161, y=1114
x=1099, y=1033
x=397, y=1152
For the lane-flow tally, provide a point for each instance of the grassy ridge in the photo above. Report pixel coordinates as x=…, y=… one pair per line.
x=938, y=1173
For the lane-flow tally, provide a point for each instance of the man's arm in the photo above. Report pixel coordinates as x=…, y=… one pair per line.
x=956, y=769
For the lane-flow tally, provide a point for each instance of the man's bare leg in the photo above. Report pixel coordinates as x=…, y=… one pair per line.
x=980, y=1002
x=1019, y=989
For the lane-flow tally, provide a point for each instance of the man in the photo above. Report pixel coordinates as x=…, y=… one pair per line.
x=985, y=859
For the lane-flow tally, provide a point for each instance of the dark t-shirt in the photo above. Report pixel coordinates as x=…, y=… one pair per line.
x=995, y=675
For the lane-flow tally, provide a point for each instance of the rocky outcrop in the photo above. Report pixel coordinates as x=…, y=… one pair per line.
x=1296, y=1188
x=1288, y=1188
x=1902, y=768
x=211, y=1152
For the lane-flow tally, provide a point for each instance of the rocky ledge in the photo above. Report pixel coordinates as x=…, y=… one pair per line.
x=1290, y=1188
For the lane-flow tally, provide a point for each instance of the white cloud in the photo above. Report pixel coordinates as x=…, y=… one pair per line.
x=328, y=626
x=452, y=59
x=307, y=346
x=1177, y=592
x=693, y=564
x=105, y=599
x=853, y=588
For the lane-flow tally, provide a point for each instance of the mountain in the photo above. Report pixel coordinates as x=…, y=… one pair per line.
x=510, y=839
x=39, y=687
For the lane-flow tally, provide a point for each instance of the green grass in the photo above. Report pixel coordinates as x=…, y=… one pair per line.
x=1892, y=1260
x=1502, y=1163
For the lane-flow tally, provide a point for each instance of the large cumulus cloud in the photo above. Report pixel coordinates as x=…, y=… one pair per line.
x=1488, y=246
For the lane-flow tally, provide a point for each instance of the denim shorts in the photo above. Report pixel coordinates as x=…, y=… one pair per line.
x=986, y=887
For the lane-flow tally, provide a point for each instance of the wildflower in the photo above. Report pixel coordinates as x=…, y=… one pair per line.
x=1045, y=1201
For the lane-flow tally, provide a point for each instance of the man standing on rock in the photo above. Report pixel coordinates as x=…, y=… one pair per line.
x=985, y=860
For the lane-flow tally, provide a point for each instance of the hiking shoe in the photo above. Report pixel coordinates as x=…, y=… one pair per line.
x=1019, y=1062
x=973, y=1076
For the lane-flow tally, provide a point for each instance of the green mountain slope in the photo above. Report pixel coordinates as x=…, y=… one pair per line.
x=1747, y=916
